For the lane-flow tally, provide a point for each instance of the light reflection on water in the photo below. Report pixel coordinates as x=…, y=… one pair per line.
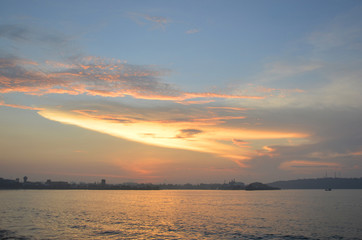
x=182, y=214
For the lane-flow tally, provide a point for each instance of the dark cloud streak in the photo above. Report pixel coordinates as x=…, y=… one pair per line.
x=19, y=32
x=188, y=133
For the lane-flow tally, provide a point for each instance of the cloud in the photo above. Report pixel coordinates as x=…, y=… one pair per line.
x=334, y=155
x=189, y=115
x=192, y=31
x=322, y=71
x=156, y=22
x=229, y=108
x=276, y=71
x=296, y=164
x=334, y=141
x=216, y=95
x=2, y=103
x=269, y=149
x=324, y=68
x=343, y=32
x=110, y=117
x=25, y=33
x=187, y=102
x=301, y=114
x=328, y=87
x=16, y=32
x=240, y=143
x=148, y=127
x=95, y=77
x=188, y=133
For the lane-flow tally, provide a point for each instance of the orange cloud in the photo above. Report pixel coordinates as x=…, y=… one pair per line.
x=240, y=143
x=356, y=153
x=230, y=108
x=266, y=151
x=188, y=135
x=111, y=117
x=14, y=61
x=97, y=77
x=2, y=103
x=195, y=102
x=157, y=118
x=215, y=120
x=269, y=149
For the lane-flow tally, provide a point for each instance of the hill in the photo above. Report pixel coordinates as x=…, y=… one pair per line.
x=259, y=186
x=319, y=183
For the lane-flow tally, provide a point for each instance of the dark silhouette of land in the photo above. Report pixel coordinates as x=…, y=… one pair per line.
x=259, y=186
x=320, y=183
x=49, y=184
x=317, y=183
x=232, y=185
x=25, y=184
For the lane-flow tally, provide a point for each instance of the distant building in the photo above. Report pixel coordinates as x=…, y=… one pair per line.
x=103, y=182
x=9, y=184
x=25, y=179
x=59, y=185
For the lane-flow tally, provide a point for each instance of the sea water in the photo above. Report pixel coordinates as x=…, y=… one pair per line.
x=180, y=214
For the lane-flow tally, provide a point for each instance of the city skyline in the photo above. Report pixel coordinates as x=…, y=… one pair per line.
x=180, y=91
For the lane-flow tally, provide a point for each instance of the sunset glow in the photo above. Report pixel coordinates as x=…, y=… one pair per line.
x=149, y=90
x=172, y=135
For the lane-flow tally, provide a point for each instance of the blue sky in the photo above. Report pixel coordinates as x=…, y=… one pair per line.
x=214, y=90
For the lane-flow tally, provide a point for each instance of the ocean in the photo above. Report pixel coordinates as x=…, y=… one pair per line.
x=180, y=214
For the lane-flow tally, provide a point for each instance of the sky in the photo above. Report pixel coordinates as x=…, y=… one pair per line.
x=180, y=91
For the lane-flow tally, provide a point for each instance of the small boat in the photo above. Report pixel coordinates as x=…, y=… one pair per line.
x=328, y=189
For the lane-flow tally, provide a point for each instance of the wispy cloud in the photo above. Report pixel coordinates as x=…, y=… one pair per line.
x=343, y=33
x=297, y=165
x=229, y=108
x=156, y=22
x=188, y=133
x=240, y=143
x=192, y=31
x=194, y=116
x=22, y=33
x=95, y=77
x=323, y=69
x=276, y=71
x=2, y=103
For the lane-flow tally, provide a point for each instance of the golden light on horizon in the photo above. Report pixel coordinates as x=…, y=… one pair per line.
x=178, y=135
